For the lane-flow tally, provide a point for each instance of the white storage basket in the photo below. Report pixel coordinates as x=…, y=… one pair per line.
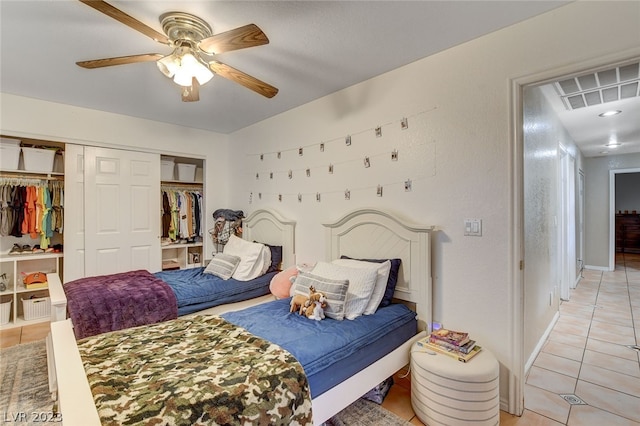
x=36, y=308
x=38, y=160
x=167, y=166
x=186, y=172
x=9, y=154
x=5, y=312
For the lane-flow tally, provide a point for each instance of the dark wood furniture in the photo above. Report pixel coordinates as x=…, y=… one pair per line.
x=627, y=233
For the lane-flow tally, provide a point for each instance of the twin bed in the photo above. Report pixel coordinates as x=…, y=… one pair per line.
x=260, y=365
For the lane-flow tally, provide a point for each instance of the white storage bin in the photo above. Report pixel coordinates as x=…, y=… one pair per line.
x=9, y=154
x=186, y=172
x=36, y=308
x=5, y=312
x=38, y=160
x=167, y=166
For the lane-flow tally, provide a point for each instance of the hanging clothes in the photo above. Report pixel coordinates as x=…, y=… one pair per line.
x=31, y=207
x=181, y=213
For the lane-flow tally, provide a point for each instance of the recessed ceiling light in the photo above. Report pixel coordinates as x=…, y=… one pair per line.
x=604, y=152
x=613, y=144
x=610, y=113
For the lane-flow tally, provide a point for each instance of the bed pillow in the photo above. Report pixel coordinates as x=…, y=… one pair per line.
x=393, y=278
x=334, y=290
x=222, y=265
x=281, y=284
x=381, y=280
x=252, y=258
x=276, y=257
x=361, y=284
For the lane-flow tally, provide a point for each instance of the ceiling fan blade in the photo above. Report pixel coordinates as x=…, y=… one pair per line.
x=120, y=60
x=118, y=15
x=191, y=93
x=239, y=38
x=246, y=80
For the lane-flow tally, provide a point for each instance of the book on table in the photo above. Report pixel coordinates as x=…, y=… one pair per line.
x=457, y=338
x=466, y=348
x=460, y=356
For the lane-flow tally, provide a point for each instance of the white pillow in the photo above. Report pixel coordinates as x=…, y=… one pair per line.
x=222, y=265
x=251, y=257
x=361, y=284
x=381, y=282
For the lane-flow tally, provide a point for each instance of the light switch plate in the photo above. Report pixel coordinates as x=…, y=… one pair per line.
x=473, y=227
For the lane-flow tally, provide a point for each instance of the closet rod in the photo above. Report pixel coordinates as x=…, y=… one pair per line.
x=19, y=175
x=178, y=187
x=13, y=180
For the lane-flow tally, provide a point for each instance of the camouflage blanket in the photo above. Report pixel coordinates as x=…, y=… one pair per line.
x=193, y=371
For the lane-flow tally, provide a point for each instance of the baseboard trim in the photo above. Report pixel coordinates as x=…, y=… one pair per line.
x=541, y=342
x=597, y=268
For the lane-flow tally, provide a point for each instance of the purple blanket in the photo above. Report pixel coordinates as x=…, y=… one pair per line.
x=114, y=302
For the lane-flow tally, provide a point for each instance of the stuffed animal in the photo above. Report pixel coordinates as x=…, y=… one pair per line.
x=300, y=302
x=282, y=282
x=316, y=305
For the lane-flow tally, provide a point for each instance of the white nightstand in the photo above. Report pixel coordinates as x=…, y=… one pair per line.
x=445, y=391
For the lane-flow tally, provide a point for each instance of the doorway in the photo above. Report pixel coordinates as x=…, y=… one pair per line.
x=612, y=212
x=542, y=200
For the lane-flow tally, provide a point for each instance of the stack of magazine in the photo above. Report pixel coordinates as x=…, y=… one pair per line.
x=456, y=344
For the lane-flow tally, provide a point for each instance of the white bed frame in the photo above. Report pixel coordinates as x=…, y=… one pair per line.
x=363, y=233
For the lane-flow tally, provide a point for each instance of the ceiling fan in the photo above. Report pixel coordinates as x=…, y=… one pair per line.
x=191, y=63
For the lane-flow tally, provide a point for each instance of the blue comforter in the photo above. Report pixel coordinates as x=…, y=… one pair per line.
x=337, y=348
x=196, y=290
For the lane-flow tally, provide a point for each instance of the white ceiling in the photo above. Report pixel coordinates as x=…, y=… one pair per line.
x=316, y=48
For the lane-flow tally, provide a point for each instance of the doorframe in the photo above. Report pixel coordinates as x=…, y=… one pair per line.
x=612, y=213
x=516, y=378
x=580, y=246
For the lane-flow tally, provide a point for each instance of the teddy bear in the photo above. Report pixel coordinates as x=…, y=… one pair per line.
x=300, y=302
x=315, y=306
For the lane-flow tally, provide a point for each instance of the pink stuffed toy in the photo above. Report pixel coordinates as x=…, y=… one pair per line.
x=280, y=285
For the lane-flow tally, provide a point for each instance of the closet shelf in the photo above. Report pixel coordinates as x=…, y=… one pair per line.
x=31, y=175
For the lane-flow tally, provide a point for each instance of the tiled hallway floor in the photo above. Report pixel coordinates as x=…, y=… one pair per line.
x=588, y=353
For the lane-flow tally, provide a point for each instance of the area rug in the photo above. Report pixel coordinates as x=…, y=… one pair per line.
x=365, y=413
x=24, y=384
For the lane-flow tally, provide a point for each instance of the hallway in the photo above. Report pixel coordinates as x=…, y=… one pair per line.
x=588, y=354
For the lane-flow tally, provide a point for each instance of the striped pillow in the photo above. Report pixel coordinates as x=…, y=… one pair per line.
x=334, y=290
x=223, y=265
x=361, y=285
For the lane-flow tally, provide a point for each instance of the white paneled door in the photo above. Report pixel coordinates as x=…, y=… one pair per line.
x=73, y=212
x=122, y=211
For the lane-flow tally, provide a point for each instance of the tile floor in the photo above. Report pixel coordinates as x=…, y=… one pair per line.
x=586, y=356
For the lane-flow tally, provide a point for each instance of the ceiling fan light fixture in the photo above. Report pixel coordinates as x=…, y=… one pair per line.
x=168, y=65
x=190, y=67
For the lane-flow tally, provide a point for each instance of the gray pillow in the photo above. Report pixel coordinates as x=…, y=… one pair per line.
x=334, y=290
x=223, y=265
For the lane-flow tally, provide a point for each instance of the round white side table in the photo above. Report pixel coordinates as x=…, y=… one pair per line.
x=445, y=391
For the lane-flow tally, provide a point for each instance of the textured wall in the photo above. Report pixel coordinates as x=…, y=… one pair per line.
x=460, y=102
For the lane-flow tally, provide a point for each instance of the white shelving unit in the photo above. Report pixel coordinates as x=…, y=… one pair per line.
x=182, y=255
x=14, y=266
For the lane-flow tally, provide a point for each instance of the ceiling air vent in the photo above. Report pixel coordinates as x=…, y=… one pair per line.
x=600, y=87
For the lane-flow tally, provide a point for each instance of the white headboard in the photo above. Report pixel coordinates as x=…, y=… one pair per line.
x=269, y=227
x=374, y=234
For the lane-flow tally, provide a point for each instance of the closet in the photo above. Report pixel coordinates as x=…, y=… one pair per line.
x=114, y=212
x=31, y=226
x=183, y=219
